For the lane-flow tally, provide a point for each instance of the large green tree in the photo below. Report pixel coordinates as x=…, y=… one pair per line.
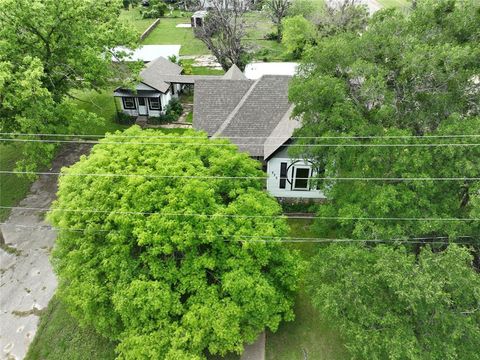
x=171, y=264
x=73, y=40
x=390, y=304
x=47, y=49
x=413, y=75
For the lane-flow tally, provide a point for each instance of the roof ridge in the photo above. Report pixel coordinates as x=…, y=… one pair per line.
x=231, y=116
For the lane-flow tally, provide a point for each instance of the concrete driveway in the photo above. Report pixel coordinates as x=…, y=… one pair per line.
x=27, y=281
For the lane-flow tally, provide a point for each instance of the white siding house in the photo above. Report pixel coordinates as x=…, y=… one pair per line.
x=291, y=178
x=256, y=115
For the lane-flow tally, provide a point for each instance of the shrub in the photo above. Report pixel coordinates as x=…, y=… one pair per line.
x=174, y=107
x=156, y=9
x=125, y=119
x=271, y=36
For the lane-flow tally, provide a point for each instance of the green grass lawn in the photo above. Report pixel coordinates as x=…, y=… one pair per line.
x=134, y=17
x=101, y=103
x=258, y=27
x=13, y=188
x=167, y=33
x=308, y=334
x=59, y=337
x=395, y=3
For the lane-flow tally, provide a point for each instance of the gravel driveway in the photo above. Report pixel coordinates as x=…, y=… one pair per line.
x=27, y=281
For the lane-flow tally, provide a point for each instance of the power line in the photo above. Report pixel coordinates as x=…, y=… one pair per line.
x=155, y=176
x=211, y=143
x=252, y=137
x=253, y=238
x=236, y=216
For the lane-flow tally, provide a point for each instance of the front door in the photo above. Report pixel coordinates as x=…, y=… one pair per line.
x=142, y=106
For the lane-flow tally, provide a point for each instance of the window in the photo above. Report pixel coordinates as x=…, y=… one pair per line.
x=283, y=175
x=128, y=103
x=301, y=179
x=173, y=89
x=154, y=103
x=141, y=101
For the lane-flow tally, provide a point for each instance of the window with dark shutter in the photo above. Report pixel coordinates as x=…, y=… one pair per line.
x=283, y=175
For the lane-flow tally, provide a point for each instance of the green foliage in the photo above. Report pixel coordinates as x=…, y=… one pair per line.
x=391, y=305
x=168, y=285
x=298, y=34
x=174, y=107
x=47, y=49
x=125, y=119
x=156, y=10
x=406, y=75
x=67, y=37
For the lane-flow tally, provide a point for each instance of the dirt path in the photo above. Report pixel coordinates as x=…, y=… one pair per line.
x=27, y=281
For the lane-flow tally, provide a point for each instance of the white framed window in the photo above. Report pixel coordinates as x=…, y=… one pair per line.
x=128, y=102
x=154, y=103
x=301, y=180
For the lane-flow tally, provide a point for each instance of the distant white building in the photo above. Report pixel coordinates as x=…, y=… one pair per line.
x=256, y=70
x=148, y=53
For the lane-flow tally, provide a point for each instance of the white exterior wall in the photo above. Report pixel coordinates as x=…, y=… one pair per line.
x=273, y=181
x=165, y=99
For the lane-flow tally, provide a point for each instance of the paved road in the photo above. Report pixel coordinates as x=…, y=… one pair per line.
x=27, y=281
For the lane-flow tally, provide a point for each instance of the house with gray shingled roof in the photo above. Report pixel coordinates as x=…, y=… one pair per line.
x=161, y=80
x=256, y=116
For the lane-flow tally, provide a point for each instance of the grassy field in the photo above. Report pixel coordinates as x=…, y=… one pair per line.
x=102, y=104
x=13, y=188
x=59, y=337
x=258, y=27
x=394, y=3
x=134, y=17
x=308, y=336
x=167, y=33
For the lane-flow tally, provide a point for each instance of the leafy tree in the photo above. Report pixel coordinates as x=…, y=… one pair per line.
x=310, y=10
x=47, y=49
x=157, y=8
x=223, y=31
x=298, y=34
x=391, y=305
x=406, y=75
x=69, y=38
x=167, y=285
x=342, y=16
x=276, y=10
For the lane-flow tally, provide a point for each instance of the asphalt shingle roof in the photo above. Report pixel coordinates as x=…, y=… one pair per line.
x=223, y=110
x=214, y=100
x=154, y=73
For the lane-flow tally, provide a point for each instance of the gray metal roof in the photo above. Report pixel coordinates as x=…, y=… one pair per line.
x=155, y=72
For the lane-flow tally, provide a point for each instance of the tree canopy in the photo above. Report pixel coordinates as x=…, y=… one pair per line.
x=406, y=78
x=47, y=49
x=390, y=304
x=171, y=263
x=73, y=40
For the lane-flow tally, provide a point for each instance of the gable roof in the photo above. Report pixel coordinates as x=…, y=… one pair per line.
x=154, y=73
x=234, y=73
x=245, y=111
x=214, y=100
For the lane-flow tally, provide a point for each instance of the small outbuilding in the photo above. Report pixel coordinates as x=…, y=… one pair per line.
x=198, y=18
